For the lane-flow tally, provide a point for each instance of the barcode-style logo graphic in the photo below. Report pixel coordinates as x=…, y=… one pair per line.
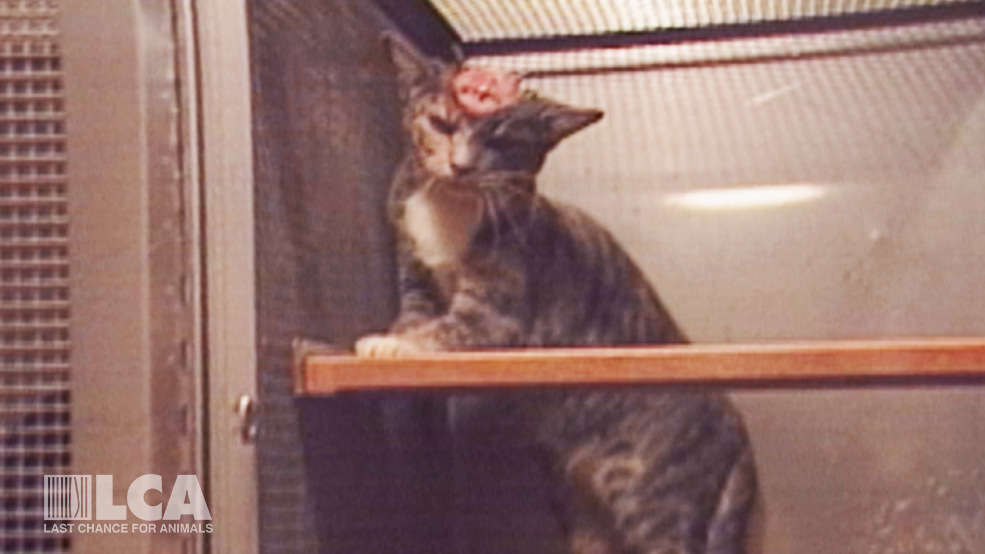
x=68, y=497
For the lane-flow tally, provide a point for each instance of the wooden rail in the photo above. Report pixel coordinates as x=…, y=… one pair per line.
x=841, y=363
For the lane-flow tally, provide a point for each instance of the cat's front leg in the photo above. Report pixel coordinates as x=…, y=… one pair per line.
x=418, y=293
x=486, y=311
x=418, y=306
x=387, y=346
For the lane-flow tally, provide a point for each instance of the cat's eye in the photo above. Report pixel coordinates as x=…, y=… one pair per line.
x=442, y=125
x=501, y=142
x=505, y=137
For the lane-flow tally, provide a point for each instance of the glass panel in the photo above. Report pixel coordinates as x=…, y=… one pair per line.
x=823, y=197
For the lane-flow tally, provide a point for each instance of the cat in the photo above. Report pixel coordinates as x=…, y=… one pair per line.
x=487, y=262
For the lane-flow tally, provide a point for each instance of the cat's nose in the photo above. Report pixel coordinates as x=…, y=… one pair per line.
x=462, y=169
x=462, y=157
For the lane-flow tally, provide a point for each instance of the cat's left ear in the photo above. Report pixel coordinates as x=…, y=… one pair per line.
x=414, y=70
x=562, y=121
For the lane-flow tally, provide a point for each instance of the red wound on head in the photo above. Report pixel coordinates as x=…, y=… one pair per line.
x=481, y=91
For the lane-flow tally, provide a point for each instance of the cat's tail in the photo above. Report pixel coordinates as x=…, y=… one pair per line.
x=729, y=532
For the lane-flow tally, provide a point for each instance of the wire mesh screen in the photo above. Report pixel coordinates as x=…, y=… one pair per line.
x=326, y=132
x=34, y=296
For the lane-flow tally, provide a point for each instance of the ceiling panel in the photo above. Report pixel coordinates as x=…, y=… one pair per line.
x=483, y=20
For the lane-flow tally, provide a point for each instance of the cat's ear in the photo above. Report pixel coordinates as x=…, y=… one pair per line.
x=414, y=71
x=562, y=121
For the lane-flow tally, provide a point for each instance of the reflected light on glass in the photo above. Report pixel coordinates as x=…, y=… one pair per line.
x=746, y=198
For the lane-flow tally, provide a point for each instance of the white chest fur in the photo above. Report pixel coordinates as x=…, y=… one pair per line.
x=441, y=224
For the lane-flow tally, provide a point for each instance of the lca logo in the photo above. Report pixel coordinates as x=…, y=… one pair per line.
x=69, y=498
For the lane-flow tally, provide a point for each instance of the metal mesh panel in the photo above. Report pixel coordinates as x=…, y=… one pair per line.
x=34, y=309
x=326, y=140
x=508, y=19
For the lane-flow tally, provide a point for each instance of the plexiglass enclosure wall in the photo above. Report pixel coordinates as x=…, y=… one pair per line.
x=814, y=196
x=780, y=172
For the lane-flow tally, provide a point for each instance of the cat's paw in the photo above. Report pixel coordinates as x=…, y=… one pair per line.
x=385, y=346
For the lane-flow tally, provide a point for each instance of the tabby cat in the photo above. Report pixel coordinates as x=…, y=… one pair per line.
x=487, y=262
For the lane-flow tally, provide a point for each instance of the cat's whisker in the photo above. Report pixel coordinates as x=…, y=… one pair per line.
x=504, y=211
x=519, y=231
x=432, y=185
x=489, y=207
x=519, y=181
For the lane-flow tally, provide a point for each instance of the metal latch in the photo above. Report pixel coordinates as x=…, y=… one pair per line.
x=246, y=410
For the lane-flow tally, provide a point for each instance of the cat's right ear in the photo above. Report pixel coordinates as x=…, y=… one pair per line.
x=562, y=120
x=413, y=70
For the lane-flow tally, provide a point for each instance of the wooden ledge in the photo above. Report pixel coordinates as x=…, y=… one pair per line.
x=839, y=363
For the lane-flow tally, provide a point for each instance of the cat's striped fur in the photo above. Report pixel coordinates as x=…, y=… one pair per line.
x=486, y=262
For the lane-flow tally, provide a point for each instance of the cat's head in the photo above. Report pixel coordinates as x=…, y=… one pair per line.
x=449, y=142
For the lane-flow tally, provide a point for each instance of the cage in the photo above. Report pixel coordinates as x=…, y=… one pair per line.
x=208, y=180
x=782, y=171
